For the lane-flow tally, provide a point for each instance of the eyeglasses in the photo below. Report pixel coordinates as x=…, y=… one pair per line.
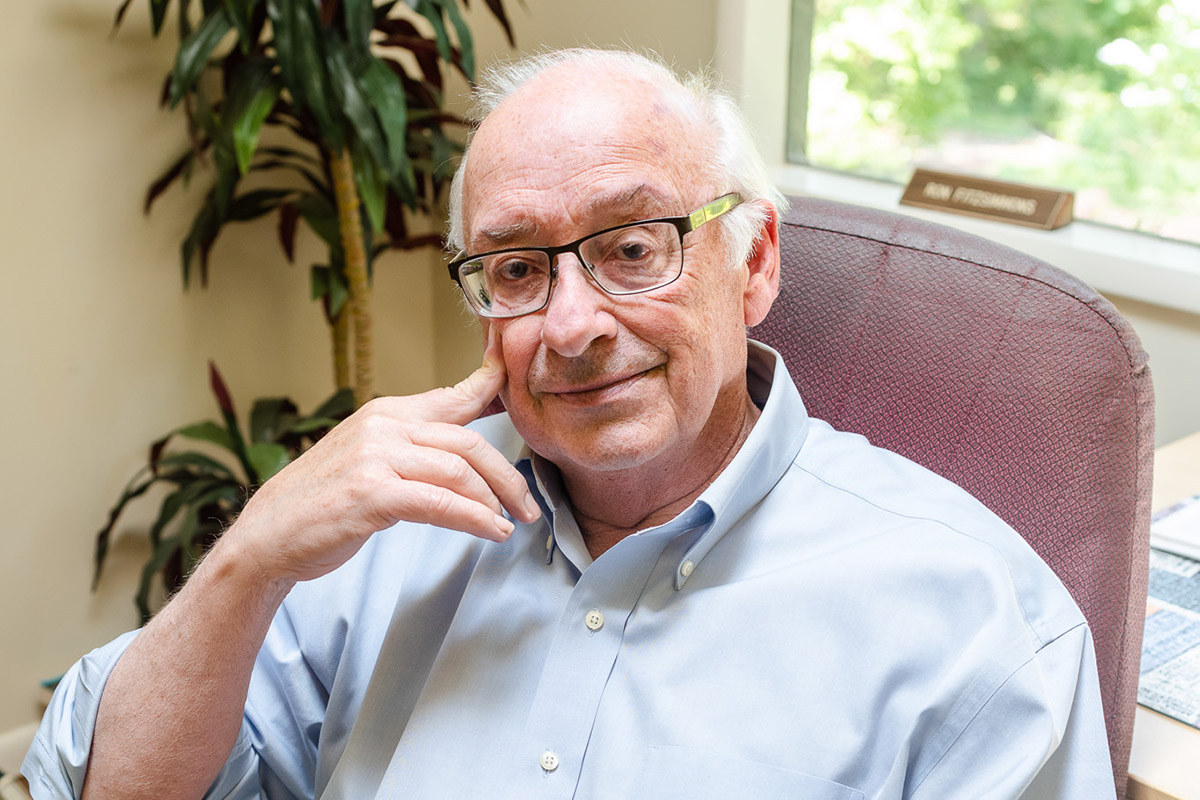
x=627, y=259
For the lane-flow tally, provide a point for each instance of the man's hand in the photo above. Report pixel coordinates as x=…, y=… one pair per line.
x=173, y=705
x=396, y=458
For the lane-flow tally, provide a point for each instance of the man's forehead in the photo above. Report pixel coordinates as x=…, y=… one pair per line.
x=596, y=152
x=506, y=223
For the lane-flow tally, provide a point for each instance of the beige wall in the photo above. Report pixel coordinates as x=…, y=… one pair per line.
x=101, y=351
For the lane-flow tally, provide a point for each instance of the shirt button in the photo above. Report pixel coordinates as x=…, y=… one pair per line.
x=685, y=569
x=549, y=761
x=594, y=620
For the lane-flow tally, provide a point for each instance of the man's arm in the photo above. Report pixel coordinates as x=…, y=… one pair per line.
x=1040, y=736
x=172, y=707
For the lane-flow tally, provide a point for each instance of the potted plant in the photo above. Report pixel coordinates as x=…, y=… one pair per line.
x=336, y=108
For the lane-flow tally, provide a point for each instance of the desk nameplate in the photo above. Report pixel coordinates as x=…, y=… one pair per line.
x=1000, y=201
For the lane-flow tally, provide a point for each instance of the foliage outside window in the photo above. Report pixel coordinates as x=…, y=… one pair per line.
x=1101, y=97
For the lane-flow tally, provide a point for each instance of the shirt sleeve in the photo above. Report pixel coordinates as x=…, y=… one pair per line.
x=1041, y=736
x=56, y=763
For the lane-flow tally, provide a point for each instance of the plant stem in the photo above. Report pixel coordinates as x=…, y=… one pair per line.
x=350, y=226
x=340, y=329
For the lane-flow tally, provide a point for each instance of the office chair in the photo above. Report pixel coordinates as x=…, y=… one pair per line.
x=999, y=372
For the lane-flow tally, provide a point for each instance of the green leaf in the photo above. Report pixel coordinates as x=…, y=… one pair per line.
x=250, y=100
x=226, y=181
x=385, y=93
x=371, y=187
x=339, y=290
x=203, y=233
x=185, y=23
x=158, y=12
x=354, y=103
x=136, y=487
x=319, y=281
x=321, y=216
x=315, y=182
x=239, y=11
x=165, y=549
x=198, y=460
x=330, y=283
x=312, y=424
x=174, y=503
x=302, y=64
x=291, y=152
x=339, y=405
x=267, y=458
x=430, y=11
x=360, y=18
x=465, y=43
x=270, y=417
x=120, y=16
x=208, y=431
x=194, y=53
x=253, y=205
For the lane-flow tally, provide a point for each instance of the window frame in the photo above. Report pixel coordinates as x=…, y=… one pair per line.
x=754, y=49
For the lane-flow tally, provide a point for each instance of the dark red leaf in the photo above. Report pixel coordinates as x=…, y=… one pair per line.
x=417, y=242
x=218, y=388
x=168, y=177
x=164, y=95
x=156, y=449
x=424, y=50
x=397, y=25
x=393, y=221
x=288, y=216
x=206, y=245
x=329, y=9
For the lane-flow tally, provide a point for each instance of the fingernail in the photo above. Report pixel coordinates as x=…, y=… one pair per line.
x=531, y=507
x=503, y=526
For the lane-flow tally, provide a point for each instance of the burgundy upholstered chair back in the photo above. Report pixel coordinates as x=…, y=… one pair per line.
x=999, y=372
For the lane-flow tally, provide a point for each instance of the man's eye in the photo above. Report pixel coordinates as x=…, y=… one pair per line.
x=633, y=251
x=514, y=269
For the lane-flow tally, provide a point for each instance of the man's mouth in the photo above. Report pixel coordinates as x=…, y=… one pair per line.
x=597, y=390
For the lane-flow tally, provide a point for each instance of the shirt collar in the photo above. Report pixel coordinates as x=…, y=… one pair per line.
x=759, y=464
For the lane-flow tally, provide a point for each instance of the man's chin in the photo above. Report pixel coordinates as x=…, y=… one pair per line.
x=599, y=440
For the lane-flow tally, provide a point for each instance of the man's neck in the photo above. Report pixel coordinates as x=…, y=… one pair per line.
x=610, y=506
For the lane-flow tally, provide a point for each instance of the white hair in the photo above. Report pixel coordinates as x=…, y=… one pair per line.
x=736, y=165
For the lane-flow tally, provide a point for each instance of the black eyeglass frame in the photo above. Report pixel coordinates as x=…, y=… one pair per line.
x=683, y=225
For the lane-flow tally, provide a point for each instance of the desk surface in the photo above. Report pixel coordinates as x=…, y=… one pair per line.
x=1163, y=764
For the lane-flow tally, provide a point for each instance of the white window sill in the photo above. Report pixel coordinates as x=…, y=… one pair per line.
x=1123, y=263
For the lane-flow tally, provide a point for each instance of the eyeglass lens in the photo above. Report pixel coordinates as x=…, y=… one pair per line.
x=624, y=261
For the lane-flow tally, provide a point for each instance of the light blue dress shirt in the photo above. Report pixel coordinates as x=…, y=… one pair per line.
x=828, y=621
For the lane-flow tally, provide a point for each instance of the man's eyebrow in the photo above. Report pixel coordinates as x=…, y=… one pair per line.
x=501, y=235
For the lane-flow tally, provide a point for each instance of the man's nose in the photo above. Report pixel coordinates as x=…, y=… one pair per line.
x=578, y=313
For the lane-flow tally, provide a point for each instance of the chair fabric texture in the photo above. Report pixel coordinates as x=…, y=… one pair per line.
x=999, y=372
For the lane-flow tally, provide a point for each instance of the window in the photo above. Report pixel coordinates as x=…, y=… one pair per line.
x=1101, y=97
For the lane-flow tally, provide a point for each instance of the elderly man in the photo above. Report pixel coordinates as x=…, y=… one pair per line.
x=676, y=584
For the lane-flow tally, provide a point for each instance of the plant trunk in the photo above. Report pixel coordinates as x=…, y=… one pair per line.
x=359, y=304
x=340, y=329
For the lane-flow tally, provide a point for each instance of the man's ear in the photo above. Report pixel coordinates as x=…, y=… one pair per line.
x=762, y=282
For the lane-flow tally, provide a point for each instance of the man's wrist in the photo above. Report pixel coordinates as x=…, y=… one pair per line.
x=232, y=563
